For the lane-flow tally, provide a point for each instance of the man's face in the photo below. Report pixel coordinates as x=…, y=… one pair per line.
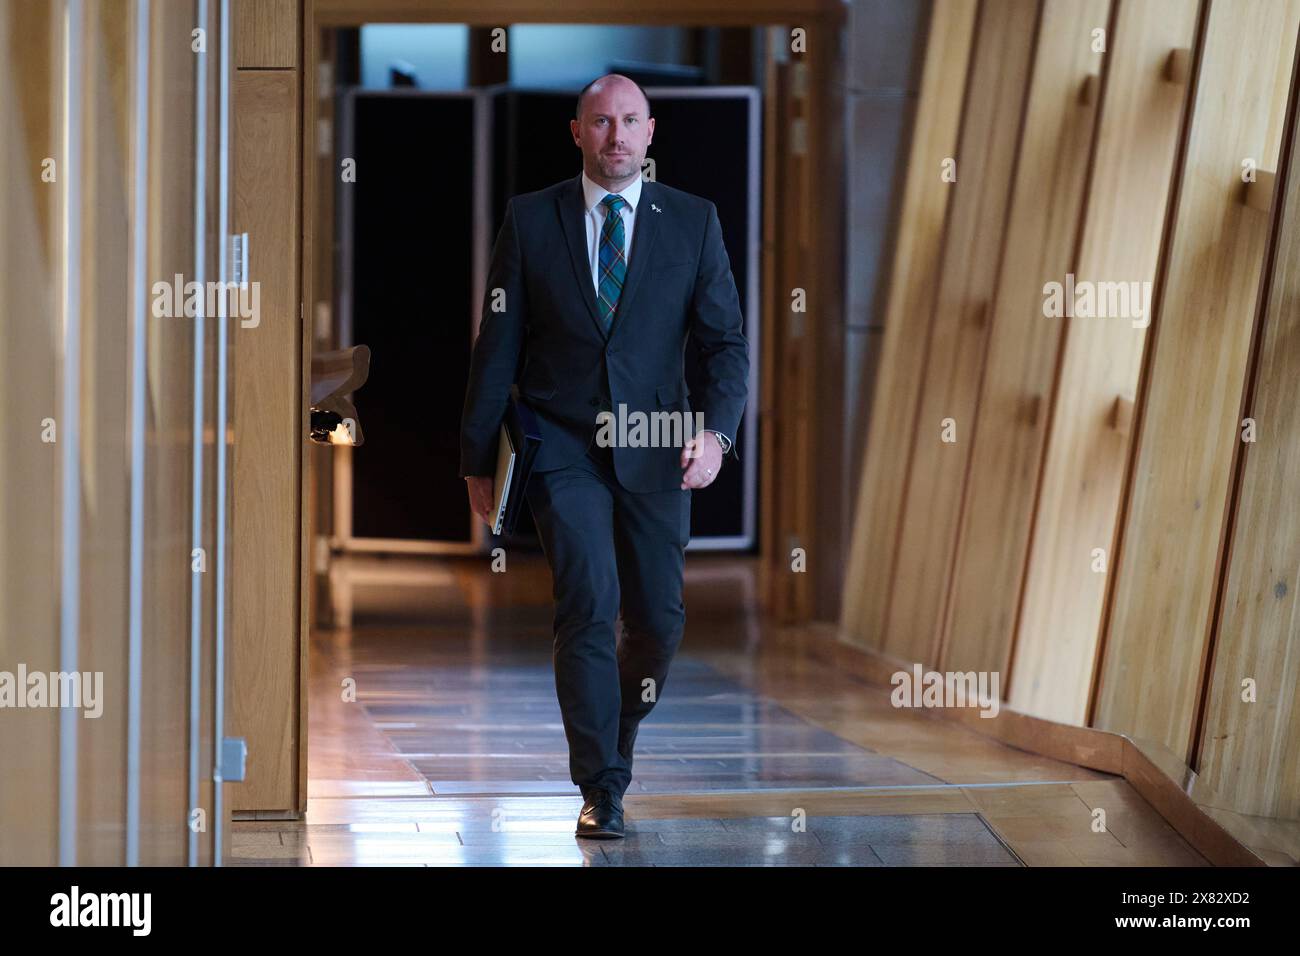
x=613, y=131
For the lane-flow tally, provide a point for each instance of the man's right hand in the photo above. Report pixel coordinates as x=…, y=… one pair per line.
x=480, y=496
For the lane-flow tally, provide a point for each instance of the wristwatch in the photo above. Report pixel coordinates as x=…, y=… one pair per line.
x=724, y=441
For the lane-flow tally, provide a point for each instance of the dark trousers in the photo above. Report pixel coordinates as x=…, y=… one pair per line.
x=610, y=548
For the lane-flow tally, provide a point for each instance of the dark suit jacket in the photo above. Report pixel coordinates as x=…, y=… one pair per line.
x=678, y=293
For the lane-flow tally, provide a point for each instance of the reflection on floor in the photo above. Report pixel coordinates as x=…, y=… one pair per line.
x=497, y=730
x=452, y=752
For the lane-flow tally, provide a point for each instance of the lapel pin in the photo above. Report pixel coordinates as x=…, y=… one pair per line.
x=655, y=208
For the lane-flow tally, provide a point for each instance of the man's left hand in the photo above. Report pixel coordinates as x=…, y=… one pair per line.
x=702, y=459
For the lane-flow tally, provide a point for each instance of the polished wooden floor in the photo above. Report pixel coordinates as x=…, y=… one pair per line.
x=453, y=753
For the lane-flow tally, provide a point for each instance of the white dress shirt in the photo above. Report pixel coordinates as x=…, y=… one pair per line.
x=593, y=193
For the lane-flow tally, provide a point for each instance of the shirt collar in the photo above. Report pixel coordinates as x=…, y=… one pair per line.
x=593, y=192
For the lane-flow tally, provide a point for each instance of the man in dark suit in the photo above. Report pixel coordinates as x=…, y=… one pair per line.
x=596, y=287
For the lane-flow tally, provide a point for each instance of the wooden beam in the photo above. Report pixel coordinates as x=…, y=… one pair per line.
x=1023, y=344
x=1087, y=444
x=944, y=423
x=502, y=12
x=913, y=281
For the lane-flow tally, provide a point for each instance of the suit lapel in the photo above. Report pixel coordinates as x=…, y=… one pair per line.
x=572, y=208
x=643, y=240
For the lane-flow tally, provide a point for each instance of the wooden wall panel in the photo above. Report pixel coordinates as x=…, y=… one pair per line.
x=168, y=465
x=801, y=139
x=100, y=179
x=266, y=33
x=1249, y=753
x=31, y=116
x=106, y=363
x=1168, y=556
x=1083, y=468
x=799, y=136
x=1011, y=421
x=265, y=670
x=993, y=110
x=914, y=279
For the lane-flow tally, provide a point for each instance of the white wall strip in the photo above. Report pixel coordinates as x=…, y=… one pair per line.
x=70, y=423
x=139, y=227
x=196, y=492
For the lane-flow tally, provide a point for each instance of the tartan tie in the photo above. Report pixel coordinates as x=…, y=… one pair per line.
x=613, y=259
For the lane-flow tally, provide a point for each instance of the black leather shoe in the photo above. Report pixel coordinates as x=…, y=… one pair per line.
x=601, y=817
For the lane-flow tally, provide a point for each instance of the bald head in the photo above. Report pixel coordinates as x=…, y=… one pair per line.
x=599, y=84
x=613, y=128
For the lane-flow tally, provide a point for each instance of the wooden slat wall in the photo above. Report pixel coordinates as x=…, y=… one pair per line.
x=1249, y=751
x=992, y=115
x=168, y=463
x=1083, y=470
x=30, y=255
x=1168, y=557
x=911, y=306
x=1007, y=438
x=1094, y=436
x=32, y=368
x=106, y=436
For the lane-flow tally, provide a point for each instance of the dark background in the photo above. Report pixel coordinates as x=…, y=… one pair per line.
x=413, y=271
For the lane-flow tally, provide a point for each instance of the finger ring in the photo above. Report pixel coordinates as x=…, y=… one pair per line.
x=708, y=471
